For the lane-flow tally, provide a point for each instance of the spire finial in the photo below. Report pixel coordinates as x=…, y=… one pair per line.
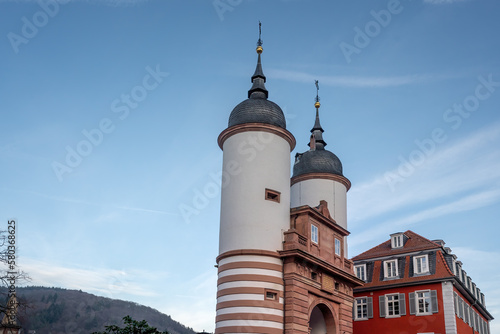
x=259, y=42
x=317, y=104
x=258, y=78
x=317, y=130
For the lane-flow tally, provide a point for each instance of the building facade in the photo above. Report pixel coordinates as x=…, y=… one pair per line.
x=282, y=264
x=415, y=285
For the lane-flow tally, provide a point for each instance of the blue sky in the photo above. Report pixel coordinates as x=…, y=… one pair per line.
x=410, y=105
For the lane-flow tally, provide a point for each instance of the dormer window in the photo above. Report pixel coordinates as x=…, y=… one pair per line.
x=390, y=268
x=421, y=264
x=360, y=271
x=397, y=240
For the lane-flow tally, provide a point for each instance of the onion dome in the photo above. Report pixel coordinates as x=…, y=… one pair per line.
x=257, y=108
x=317, y=159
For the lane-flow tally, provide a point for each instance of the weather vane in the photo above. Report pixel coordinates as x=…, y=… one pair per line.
x=317, y=104
x=259, y=42
x=317, y=90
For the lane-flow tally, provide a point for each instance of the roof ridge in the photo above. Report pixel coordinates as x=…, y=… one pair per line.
x=370, y=249
x=417, y=242
x=418, y=235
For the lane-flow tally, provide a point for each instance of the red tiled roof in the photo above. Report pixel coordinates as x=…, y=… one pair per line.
x=442, y=272
x=414, y=243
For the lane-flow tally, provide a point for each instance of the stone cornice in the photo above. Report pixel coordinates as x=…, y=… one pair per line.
x=325, y=176
x=283, y=133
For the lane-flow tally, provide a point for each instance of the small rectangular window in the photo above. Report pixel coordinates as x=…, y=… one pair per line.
x=391, y=268
x=397, y=240
x=337, y=247
x=271, y=295
x=272, y=195
x=314, y=233
x=360, y=271
x=314, y=275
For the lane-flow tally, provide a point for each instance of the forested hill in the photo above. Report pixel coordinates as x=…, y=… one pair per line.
x=61, y=311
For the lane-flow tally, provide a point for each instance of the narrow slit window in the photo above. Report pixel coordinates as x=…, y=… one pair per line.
x=272, y=195
x=271, y=295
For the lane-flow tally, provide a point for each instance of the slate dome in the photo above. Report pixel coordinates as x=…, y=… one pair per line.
x=317, y=161
x=257, y=109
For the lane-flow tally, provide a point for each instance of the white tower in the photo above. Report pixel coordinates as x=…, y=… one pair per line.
x=317, y=175
x=255, y=210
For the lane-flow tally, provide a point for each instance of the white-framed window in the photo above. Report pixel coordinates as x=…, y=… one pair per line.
x=314, y=233
x=397, y=240
x=338, y=248
x=361, y=311
x=362, y=308
x=421, y=264
x=360, y=270
x=391, y=268
x=392, y=305
x=423, y=300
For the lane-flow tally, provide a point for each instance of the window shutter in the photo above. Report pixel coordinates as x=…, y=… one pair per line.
x=370, y=307
x=354, y=303
x=412, y=303
x=434, y=301
x=402, y=304
x=381, y=306
x=456, y=302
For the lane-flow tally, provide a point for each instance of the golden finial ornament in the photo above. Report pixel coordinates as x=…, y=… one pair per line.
x=259, y=42
x=317, y=104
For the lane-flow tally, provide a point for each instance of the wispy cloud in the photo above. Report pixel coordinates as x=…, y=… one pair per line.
x=197, y=304
x=83, y=202
x=356, y=81
x=477, y=264
x=462, y=176
x=101, y=281
x=466, y=203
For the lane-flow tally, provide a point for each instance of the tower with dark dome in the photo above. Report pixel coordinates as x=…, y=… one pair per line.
x=282, y=266
x=317, y=175
x=255, y=211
